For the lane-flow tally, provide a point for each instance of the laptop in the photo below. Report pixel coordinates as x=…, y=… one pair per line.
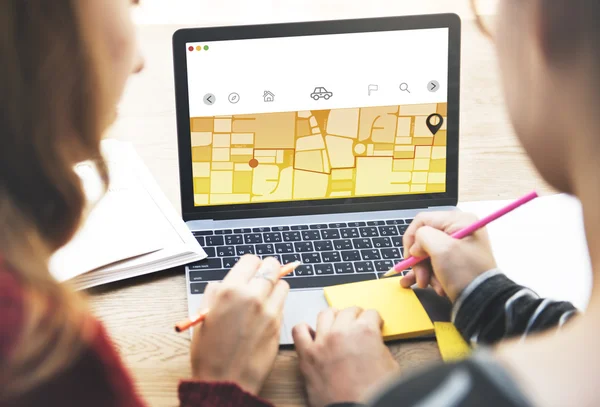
x=315, y=141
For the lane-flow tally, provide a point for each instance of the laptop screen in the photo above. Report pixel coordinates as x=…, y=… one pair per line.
x=319, y=117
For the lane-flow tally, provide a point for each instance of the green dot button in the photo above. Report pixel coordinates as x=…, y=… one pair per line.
x=206, y=48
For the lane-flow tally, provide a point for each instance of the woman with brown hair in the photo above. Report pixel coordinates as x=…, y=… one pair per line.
x=544, y=353
x=64, y=66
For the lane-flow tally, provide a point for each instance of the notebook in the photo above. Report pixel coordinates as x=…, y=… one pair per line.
x=132, y=230
x=403, y=315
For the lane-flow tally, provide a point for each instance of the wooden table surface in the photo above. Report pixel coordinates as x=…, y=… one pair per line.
x=140, y=313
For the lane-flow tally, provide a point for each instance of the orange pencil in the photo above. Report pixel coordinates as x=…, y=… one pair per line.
x=188, y=323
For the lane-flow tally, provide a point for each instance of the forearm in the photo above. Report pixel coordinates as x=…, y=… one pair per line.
x=203, y=394
x=493, y=307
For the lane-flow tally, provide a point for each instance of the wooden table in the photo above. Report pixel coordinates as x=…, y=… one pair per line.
x=140, y=313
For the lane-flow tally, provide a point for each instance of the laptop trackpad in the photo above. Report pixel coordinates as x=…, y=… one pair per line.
x=301, y=306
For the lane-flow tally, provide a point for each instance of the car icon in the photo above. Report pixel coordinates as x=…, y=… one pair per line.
x=321, y=92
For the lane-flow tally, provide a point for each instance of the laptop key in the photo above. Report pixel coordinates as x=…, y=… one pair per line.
x=203, y=232
x=272, y=237
x=229, y=262
x=402, y=228
x=210, y=251
x=395, y=222
x=383, y=265
x=253, y=238
x=311, y=235
x=215, y=241
x=291, y=236
x=342, y=244
x=303, y=247
x=223, y=232
x=408, y=221
x=326, y=281
x=206, y=264
x=391, y=254
x=349, y=233
x=200, y=240
x=337, y=225
x=397, y=241
x=382, y=242
x=362, y=243
x=369, y=232
x=356, y=224
x=290, y=258
x=300, y=227
x=343, y=268
x=322, y=269
x=284, y=248
x=280, y=228
x=244, y=230
x=234, y=239
x=330, y=234
x=388, y=231
x=323, y=245
x=350, y=255
x=370, y=254
x=261, y=230
x=376, y=223
x=209, y=275
x=319, y=226
x=311, y=258
x=198, y=288
x=304, y=270
x=265, y=249
x=223, y=251
x=244, y=249
x=364, y=267
x=331, y=257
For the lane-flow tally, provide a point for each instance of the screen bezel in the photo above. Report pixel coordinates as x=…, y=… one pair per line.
x=307, y=207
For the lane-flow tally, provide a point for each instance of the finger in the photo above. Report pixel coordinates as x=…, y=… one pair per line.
x=346, y=317
x=265, y=279
x=422, y=275
x=446, y=221
x=302, y=338
x=325, y=321
x=276, y=300
x=408, y=280
x=243, y=270
x=372, y=318
x=437, y=286
x=433, y=241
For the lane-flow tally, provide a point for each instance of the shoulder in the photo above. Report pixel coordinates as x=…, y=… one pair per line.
x=11, y=308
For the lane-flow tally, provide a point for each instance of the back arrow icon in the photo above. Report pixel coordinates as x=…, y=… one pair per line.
x=209, y=99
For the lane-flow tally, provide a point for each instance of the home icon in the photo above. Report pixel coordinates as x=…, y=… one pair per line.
x=268, y=96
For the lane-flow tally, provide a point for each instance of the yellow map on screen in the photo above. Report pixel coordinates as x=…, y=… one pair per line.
x=318, y=154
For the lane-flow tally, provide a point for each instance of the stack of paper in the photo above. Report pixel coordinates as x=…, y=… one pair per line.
x=133, y=230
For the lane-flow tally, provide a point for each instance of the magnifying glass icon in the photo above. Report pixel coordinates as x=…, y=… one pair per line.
x=404, y=87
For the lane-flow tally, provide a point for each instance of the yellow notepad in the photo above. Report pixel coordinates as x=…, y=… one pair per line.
x=452, y=345
x=402, y=312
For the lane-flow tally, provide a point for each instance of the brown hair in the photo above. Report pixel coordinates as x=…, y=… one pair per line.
x=50, y=104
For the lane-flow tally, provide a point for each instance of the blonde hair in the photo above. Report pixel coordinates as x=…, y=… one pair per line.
x=50, y=104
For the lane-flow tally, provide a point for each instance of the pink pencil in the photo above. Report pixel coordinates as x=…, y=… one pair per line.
x=411, y=261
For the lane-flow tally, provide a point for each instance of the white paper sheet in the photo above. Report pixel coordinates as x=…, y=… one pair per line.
x=542, y=246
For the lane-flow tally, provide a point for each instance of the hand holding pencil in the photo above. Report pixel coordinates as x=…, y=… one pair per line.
x=457, y=246
x=239, y=337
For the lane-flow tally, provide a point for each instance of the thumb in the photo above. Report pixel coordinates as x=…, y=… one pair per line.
x=430, y=242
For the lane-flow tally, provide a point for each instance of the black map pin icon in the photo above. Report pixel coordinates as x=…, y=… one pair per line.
x=431, y=123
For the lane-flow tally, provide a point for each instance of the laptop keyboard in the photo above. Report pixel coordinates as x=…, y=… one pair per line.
x=334, y=253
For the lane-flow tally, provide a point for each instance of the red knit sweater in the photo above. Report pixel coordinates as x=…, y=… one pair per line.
x=98, y=377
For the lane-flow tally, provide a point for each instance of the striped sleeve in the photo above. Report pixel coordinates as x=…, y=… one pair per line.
x=493, y=308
